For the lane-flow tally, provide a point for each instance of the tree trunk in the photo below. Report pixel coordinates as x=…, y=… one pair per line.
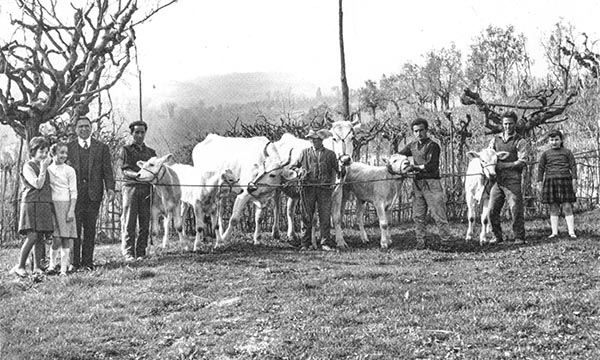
x=345, y=91
x=32, y=128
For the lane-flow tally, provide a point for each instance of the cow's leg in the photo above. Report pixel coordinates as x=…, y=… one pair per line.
x=360, y=219
x=199, y=227
x=471, y=206
x=276, y=214
x=290, y=211
x=166, y=226
x=234, y=220
x=485, y=220
x=336, y=215
x=258, y=208
x=383, y=225
x=183, y=243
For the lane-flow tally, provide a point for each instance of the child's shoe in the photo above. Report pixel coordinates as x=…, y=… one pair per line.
x=573, y=236
x=20, y=272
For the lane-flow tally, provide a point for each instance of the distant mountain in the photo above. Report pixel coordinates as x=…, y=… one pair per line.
x=235, y=88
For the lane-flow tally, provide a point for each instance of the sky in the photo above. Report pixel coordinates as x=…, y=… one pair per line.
x=194, y=38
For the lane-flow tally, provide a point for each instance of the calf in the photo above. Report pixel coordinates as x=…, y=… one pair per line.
x=204, y=196
x=481, y=173
x=380, y=186
x=166, y=199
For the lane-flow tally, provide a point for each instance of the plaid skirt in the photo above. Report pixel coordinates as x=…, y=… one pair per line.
x=558, y=191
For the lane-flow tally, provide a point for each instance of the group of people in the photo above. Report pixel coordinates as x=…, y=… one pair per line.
x=62, y=193
x=557, y=179
x=63, y=188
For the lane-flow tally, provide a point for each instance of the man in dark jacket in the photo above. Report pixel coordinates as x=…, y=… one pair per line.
x=318, y=167
x=92, y=163
x=136, y=195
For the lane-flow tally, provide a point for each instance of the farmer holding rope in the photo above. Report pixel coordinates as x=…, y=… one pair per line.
x=508, y=181
x=317, y=167
x=427, y=187
x=136, y=195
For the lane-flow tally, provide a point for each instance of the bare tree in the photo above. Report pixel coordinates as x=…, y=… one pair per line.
x=59, y=65
x=345, y=91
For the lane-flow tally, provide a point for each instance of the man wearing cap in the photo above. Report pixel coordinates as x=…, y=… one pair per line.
x=93, y=166
x=318, y=168
x=136, y=196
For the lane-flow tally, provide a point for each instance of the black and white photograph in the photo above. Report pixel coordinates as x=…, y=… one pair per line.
x=286, y=179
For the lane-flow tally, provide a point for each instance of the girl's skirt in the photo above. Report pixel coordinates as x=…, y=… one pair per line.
x=558, y=191
x=62, y=227
x=36, y=216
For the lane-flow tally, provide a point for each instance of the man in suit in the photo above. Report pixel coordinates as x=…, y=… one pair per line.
x=92, y=163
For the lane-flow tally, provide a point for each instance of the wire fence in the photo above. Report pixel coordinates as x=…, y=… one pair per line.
x=109, y=221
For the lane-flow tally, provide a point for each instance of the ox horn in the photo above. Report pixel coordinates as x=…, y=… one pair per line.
x=265, y=152
x=289, y=159
x=326, y=116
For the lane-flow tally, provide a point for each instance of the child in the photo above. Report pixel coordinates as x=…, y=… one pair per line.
x=36, y=213
x=558, y=171
x=63, y=183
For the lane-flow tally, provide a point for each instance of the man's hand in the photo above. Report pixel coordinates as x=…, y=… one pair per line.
x=575, y=186
x=70, y=216
x=539, y=187
x=110, y=194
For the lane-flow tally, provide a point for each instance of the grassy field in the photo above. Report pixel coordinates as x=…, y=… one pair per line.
x=536, y=301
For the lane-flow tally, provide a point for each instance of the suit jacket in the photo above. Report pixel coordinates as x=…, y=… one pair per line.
x=100, y=172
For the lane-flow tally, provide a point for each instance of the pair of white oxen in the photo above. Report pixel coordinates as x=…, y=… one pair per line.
x=252, y=169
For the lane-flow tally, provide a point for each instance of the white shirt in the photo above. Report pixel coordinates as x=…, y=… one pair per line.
x=63, y=182
x=82, y=142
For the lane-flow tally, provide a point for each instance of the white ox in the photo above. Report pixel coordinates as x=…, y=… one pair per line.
x=177, y=186
x=481, y=172
x=377, y=185
x=340, y=142
x=257, y=164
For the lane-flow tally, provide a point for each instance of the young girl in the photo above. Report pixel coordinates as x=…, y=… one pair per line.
x=63, y=183
x=37, y=210
x=558, y=171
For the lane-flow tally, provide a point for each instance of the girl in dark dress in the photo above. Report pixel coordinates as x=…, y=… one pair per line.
x=37, y=212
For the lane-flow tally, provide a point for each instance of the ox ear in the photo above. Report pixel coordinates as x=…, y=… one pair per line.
x=324, y=133
x=140, y=164
x=289, y=175
x=472, y=154
x=169, y=159
x=356, y=124
x=385, y=160
x=502, y=155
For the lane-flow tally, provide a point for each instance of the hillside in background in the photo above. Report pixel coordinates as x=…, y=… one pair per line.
x=235, y=88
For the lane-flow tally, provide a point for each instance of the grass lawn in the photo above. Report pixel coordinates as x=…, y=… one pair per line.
x=536, y=301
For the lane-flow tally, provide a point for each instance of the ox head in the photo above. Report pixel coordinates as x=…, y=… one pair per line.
x=488, y=158
x=397, y=164
x=228, y=184
x=271, y=172
x=152, y=171
x=341, y=139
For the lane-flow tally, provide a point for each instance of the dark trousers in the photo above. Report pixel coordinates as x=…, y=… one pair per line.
x=136, y=212
x=511, y=192
x=86, y=214
x=313, y=198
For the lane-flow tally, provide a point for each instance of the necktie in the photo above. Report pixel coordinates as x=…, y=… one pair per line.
x=85, y=145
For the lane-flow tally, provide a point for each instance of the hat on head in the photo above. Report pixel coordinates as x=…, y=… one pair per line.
x=138, y=123
x=319, y=134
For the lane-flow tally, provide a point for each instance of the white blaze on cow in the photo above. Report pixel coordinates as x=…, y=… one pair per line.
x=480, y=173
x=379, y=186
x=257, y=164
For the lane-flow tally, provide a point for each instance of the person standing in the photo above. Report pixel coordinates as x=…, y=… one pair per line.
x=557, y=180
x=37, y=212
x=318, y=168
x=63, y=183
x=427, y=187
x=508, y=179
x=136, y=195
x=93, y=167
